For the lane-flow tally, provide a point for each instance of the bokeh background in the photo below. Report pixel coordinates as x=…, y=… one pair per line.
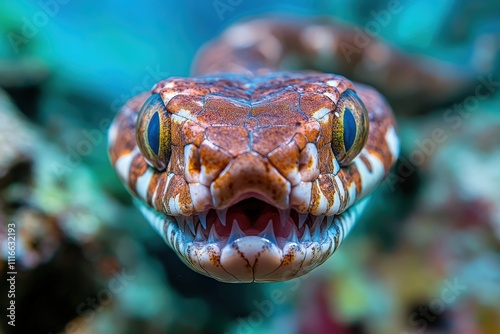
x=425, y=258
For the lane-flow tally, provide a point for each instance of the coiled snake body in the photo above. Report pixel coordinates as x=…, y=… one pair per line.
x=249, y=174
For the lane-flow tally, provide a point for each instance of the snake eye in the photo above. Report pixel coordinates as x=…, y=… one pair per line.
x=350, y=127
x=152, y=132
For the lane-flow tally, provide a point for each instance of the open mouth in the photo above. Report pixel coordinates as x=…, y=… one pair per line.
x=252, y=240
x=253, y=217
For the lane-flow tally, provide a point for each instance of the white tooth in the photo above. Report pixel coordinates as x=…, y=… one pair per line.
x=189, y=237
x=268, y=232
x=284, y=214
x=236, y=232
x=317, y=229
x=292, y=236
x=282, y=241
x=329, y=221
x=302, y=219
x=222, y=216
x=203, y=219
x=190, y=224
x=213, y=236
x=306, y=237
x=179, y=219
x=180, y=222
x=317, y=223
x=199, y=235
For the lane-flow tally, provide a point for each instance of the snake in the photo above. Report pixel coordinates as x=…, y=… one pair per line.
x=249, y=172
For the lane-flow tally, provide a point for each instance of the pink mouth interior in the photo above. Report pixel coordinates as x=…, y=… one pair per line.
x=253, y=217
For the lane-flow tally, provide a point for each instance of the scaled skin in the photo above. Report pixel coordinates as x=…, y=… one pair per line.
x=264, y=137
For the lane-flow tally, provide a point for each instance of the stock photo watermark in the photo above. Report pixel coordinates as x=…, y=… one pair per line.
x=92, y=305
x=11, y=273
x=30, y=26
x=153, y=76
x=223, y=6
x=421, y=318
x=364, y=37
x=453, y=118
x=74, y=154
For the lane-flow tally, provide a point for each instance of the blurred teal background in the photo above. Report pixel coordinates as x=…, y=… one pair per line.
x=69, y=66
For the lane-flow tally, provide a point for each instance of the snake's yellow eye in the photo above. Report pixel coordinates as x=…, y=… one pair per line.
x=152, y=132
x=350, y=127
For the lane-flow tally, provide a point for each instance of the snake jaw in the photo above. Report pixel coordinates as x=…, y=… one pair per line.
x=285, y=247
x=268, y=138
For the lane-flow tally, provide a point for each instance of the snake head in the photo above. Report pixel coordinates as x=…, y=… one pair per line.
x=254, y=178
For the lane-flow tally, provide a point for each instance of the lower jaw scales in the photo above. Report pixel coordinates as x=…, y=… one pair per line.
x=255, y=256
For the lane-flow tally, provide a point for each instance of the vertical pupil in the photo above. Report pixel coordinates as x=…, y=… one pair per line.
x=154, y=133
x=349, y=129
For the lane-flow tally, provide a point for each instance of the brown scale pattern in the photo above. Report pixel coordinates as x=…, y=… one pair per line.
x=356, y=177
x=177, y=132
x=214, y=160
x=315, y=196
x=160, y=186
x=233, y=138
x=155, y=179
x=325, y=160
x=178, y=187
x=327, y=187
x=137, y=169
x=271, y=116
x=266, y=139
x=380, y=120
x=366, y=162
x=193, y=133
x=176, y=165
x=286, y=159
x=221, y=110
